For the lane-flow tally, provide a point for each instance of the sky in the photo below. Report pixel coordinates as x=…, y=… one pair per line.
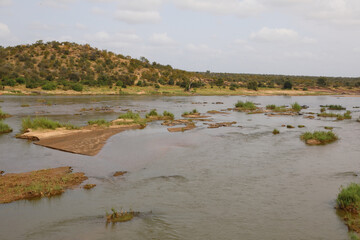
x=293, y=37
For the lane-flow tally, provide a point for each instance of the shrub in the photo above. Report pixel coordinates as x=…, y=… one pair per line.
x=4, y=128
x=245, y=105
x=129, y=115
x=77, y=87
x=152, y=113
x=99, y=122
x=43, y=123
x=287, y=85
x=20, y=80
x=252, y=85
x=296, y=107
x=9, y=82
x=347, y=115
x=168, y=114
x=349, y=196
x=49, y=86
x=321, y=136
x=271, y=106
x=275, y=131
x=3, y=114
x=335, y=107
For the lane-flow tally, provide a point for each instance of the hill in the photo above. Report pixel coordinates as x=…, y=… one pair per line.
x=64, y=65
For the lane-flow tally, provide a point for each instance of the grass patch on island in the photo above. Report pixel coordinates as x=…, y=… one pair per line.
x=100, y=122
x=4, y=128
x=319, y=137
x=4, y=114
x=348, y=201
x=240, y=105
x=44, y=123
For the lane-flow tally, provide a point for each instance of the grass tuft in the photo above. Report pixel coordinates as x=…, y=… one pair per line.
x=4, y=128
x=296, y=107
x=130, y=115
x=99, y=122
x=44, y=123
x=245, y=105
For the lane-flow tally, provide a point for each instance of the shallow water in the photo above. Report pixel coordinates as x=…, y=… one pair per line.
x=240, y=182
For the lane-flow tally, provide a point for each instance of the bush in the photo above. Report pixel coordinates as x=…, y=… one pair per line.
x=152, y=113
x=77, y=87
x=349, y=196
x=99, y=122
x=9, y=82
x=296, y=107
x=43, y=123
x=3, y=114
x=168, y=114
x=4, y=128
x=245, y=105
x=252, y=85
x=335, y=107
x=49, y=86
x=321, y=136
x=275, y=131
x=287, y=85
x=20, y=80
x=129, y=115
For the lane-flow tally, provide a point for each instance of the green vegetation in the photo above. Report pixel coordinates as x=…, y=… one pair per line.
x=245, y=105
x=135, y=117
x=194, y=111
x=152, y=113
x=100, y=122
x=329, y=128
x=123, y=216
x=275, y=108
x=25, y=105
x=70, y=66
x=44, y=123
x=296, y=107
x=325, y=114
x=168, y=114
x=349, y=197
x=275, y=131
x=354, y=236
x=322, y=137
x=346, y=115
x=334, y=107
x=4, y=128
x=301, y=126
x=129, y=115
x=3, y=114
x=290, y=126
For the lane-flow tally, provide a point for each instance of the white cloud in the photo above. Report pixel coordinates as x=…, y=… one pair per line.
x=80, y=26
x=238, y=8
x=275, y=34
x=135, y=17
x=4, y=30
x=161, y=39
x=62, y=4
x=97, y=10
x=5, y=3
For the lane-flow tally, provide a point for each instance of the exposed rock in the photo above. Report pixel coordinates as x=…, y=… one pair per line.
x=119, y=173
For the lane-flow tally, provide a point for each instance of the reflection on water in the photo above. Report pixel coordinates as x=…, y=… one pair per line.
x=240, y=182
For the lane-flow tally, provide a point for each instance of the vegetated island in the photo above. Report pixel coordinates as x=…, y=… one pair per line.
x=319, y=137
x=70, y=68
x=87, y=140
x=348, y=202
x=36, y=184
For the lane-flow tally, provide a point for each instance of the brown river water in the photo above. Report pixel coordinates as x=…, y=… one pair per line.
x=239, y=182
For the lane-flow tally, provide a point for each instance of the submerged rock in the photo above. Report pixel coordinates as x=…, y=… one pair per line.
x=119, y=173
x=123, y=216
x=89, y=186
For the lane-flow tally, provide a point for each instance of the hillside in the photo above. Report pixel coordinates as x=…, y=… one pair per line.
x=54, y=65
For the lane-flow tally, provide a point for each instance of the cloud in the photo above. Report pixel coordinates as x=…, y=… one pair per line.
x=135, y=17
x=243, y=8
x=161, y=39
x=275, y=34
x=61, y=4
x=138, y=11
x=5, y=3
x=97, y=10
x=4, y=30
x=113, y=39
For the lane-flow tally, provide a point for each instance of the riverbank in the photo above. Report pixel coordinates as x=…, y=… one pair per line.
x=178, y=91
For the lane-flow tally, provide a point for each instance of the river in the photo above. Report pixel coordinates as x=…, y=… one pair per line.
x=239, y=182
